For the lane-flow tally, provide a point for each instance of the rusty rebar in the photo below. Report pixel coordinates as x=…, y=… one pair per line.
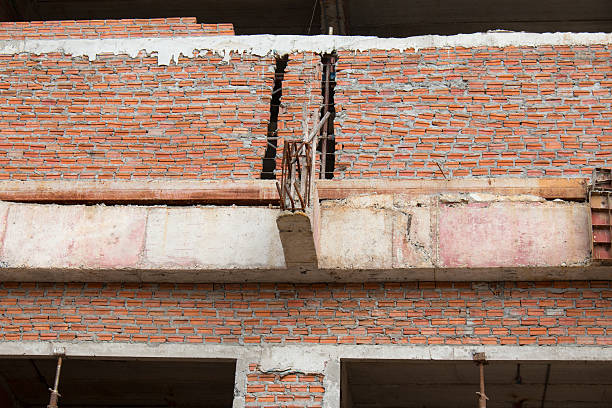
x=54, y=392
x=323, y=173
x=481, y=360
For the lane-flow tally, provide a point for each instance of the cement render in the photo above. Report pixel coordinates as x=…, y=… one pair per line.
x=169, y=49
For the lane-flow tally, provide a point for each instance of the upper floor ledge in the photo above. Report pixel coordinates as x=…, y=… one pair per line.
x=358, y=230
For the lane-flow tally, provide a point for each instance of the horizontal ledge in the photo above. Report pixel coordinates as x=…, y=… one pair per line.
x=181, y=192
x=301, y=275
x=253, y=352
x=264, y=192
x=574, y=189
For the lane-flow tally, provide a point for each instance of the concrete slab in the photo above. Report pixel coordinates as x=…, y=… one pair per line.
x=356, y=238
x=510, y=234
x=58, y=236
x=4, y=207
x=392, y=237
x=212, y=238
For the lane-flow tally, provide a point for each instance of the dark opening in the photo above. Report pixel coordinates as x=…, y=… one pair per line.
x=446, y=384
x=329, y=65
x=383, y=18
x=269, y=160
x=25, y=383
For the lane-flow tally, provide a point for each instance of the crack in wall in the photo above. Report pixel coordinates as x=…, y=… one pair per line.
x=329, y=69
x=269, y=159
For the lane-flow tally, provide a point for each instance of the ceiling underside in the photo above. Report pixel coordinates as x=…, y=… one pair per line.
x=383, y=18
x=432, y=384
x=118, y=384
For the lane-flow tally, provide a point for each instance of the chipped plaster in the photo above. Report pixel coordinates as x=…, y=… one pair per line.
x=169, y=49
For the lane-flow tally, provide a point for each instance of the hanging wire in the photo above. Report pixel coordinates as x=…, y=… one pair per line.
x=314, y=9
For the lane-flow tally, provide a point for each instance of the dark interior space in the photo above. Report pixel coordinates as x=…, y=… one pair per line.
x=383, y=18
x=25, y=383
x=445, y=384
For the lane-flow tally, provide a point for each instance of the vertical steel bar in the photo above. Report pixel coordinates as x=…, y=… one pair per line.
x=325, y=110
x=545, y=386
x=54, y=392
x=482, y=400
x=480, y=359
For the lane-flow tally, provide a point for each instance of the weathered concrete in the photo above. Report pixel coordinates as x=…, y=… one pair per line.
x=368, y=237
x=297, y=238
x=549, y=188
x=212, y=238
x=513, y=234
x=91, y=237
x=190, y=192
x=356, y=239
x=264, y=192
x=453, y=231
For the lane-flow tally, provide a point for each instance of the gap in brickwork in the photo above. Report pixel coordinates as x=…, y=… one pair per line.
x=329, y=65
x=269, y=160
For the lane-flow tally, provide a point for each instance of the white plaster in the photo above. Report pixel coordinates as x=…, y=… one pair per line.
x=169, y=49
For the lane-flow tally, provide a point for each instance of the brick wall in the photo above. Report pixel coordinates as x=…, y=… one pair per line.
x=301, y=94
x=510, y=313
x=283, y=390
x=516, y=111
x=127, y=28
x=120, y=118
x=544, y=111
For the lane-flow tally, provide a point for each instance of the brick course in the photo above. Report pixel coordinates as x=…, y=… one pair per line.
x=126, y=28
x=510, y=313
x=515, y=111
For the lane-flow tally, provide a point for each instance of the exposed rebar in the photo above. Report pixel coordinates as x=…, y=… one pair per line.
x=54, y=392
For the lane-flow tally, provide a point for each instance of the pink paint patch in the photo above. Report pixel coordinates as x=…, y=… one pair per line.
x=513, y=235
x=85, y=237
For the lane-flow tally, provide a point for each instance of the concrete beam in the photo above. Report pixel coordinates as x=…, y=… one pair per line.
x=151, y=192
x=264, y=192
x=574, y=189
x=297, y=238
x=397, y=237
x=296, y=356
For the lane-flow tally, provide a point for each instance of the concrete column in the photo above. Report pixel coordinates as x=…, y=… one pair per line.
x=242, y=367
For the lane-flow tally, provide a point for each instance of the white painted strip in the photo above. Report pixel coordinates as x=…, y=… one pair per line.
x=169, y=49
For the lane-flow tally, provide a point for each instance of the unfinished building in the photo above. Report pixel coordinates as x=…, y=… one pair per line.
x=196, y=215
